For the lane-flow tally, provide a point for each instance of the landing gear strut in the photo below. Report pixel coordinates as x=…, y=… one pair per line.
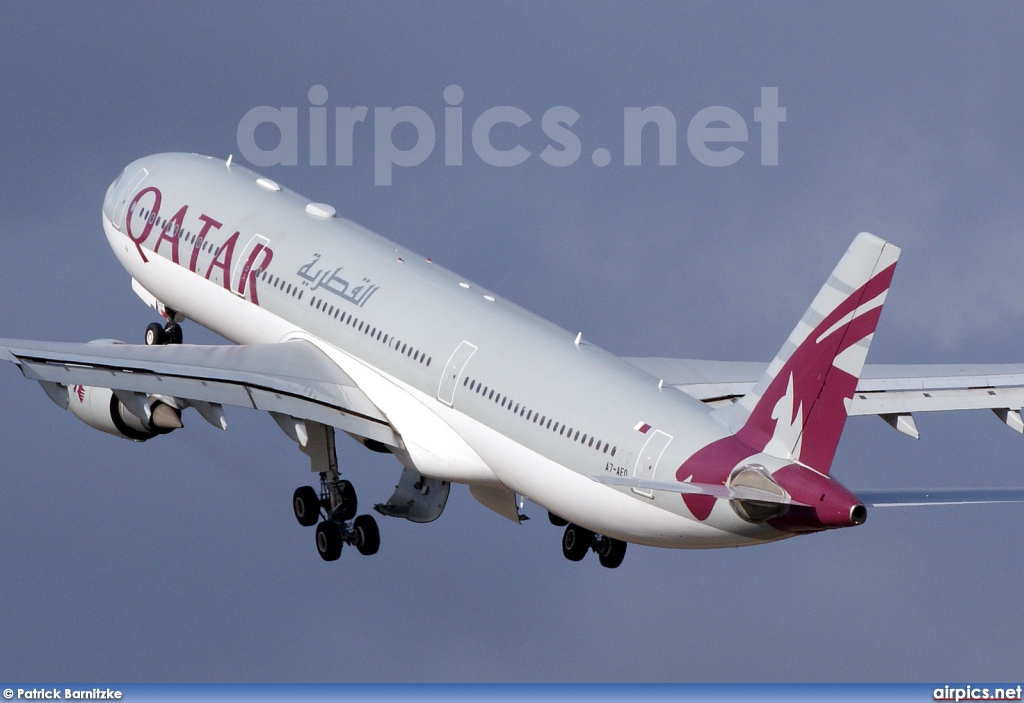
x=332, y=509
x=577, y=541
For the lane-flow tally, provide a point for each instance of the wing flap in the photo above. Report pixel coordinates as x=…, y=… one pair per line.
x=209, y=391
x=912, y=401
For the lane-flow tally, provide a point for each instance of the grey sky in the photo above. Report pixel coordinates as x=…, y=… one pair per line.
x=179, y=559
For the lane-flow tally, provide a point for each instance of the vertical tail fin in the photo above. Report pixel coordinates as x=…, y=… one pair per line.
x=799, y=406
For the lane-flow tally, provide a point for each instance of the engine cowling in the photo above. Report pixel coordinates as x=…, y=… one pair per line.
x=100, y=408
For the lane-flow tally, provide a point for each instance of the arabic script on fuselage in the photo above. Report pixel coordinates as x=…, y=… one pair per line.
x=332, y=282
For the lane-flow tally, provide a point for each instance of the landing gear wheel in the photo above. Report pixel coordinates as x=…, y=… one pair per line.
x=367, y=535
x=576, y=542
x=306, y=504
x=155, y=334
x=174, y=334
x=613, y=553
x=328, y=540
x=348, y=504
x=557, y=521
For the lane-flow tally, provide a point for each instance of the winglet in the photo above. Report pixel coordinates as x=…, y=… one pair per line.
x=798, y=408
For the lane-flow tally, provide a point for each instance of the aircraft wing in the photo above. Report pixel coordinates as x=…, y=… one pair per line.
x=892, y=392
x=289, y=379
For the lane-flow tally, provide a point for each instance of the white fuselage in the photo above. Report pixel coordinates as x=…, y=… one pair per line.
x=530, y=408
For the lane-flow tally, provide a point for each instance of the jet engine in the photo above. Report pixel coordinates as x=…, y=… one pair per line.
x=133, y=416
x=126, y=414
x=103, y=409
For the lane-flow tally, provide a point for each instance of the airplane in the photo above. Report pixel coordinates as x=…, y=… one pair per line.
x=334, y=327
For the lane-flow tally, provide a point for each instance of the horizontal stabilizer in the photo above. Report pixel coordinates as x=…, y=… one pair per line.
x=689, y=488
x=890, y=391
x=942, y=496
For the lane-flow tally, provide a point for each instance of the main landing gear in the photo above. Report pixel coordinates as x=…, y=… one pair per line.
x=338, y=527
x=333, y=508
x=577, y=541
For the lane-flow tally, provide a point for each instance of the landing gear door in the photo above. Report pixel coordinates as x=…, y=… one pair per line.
x=453, y=371
x=647, y=462
x=416, y=498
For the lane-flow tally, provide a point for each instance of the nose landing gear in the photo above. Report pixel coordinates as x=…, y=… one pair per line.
x=577, y=541
x=157, y=334
x=167, y=333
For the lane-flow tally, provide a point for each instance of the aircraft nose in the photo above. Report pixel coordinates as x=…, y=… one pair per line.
x=110, y=198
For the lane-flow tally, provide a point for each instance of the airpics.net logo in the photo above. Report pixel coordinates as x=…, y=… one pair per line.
x=716, y=136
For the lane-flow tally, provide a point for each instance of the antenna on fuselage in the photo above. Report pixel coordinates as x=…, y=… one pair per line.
x=230, y=157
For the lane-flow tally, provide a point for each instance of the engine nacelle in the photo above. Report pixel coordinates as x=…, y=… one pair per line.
x=100, y=408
